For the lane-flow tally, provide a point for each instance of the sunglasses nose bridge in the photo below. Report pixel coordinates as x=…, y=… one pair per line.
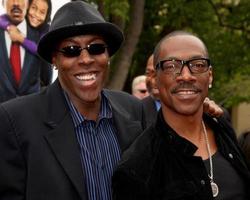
x=82, y=49
x=84, y=55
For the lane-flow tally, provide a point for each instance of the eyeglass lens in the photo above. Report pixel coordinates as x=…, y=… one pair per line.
x=74, y=50
x=196, y=66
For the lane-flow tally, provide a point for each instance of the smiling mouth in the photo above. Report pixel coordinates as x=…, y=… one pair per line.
x=16, y=11
x=186, y=92
x=86, y=77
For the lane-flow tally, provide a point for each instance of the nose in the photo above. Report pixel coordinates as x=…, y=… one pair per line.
x=185, y=74
x=85, y=57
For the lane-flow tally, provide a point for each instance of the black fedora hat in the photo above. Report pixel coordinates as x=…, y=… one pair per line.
x=78, y=18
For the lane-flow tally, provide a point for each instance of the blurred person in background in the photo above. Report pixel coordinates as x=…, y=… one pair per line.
x=151, y=103
x=139, y=88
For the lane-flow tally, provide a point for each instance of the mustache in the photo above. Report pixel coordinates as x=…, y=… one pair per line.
x=16, y=9
x=185, y=85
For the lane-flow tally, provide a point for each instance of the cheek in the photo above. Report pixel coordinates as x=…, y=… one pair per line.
x=31, y=11
x=43, y=16
x=61, y=63
x=163, y=81
x=102, y=62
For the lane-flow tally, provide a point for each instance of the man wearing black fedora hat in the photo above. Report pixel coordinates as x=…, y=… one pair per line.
x=64, y=142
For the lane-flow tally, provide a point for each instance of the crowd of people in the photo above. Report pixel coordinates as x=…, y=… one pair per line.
x=77, y=140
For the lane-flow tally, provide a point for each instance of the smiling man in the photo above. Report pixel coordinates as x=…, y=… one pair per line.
x=64, y=143
x=185, y=154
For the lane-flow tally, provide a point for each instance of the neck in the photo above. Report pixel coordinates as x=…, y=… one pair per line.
x=90, y=110
x=14, y=22
x=187, y=126
x=190, y=127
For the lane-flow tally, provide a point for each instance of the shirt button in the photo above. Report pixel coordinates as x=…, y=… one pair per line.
x=203, y=182
x=170, y=137
x=230, y=155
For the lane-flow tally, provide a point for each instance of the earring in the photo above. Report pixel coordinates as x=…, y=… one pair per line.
x=108, y=62
x=210, y=86
x=54, y=67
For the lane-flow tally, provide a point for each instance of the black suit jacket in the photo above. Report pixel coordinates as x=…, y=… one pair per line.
x=39, y=153
x=30, y=75
x=150, y=110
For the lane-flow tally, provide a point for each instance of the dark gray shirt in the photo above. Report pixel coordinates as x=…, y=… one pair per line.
x=230, y=185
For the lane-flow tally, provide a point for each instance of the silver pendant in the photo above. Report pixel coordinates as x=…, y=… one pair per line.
x=215, y=189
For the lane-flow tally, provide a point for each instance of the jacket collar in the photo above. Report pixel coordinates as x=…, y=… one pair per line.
x=127, y=129
x=171, y=138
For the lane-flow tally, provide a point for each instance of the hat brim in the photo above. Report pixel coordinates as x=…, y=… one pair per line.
x=111, y=34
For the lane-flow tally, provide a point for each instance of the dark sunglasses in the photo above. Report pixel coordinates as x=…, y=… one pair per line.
x=74, y=50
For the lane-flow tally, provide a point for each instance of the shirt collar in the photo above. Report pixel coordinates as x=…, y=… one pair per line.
x=23, y=27
x=157, y=104
x=179, y=143
x=78, y=118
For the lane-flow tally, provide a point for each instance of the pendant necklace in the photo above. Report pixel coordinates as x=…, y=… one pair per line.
x=214, y=186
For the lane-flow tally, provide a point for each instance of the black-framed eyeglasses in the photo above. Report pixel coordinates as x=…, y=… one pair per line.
x=74, y=50
x=195, y=65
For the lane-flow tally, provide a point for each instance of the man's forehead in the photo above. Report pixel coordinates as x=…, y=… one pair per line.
x=185, y=39
x=182, y=43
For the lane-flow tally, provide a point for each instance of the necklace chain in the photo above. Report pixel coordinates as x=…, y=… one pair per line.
x=214, y=186
x=211, y=175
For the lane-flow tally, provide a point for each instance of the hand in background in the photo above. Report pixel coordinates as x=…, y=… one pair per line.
x=15, y=34
x=210, y=107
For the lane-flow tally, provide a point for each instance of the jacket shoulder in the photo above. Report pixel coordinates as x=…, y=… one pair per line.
x=124, y=101
x=141, y=154
x=121, y=95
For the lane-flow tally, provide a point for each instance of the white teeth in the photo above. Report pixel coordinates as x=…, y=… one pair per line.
x=86, y=77
x=186, y=92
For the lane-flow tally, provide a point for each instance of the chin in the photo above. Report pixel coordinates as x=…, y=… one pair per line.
x=187, y=111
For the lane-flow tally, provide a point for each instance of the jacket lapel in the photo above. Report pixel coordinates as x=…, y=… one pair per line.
x=5, y=63
x=62, y=139
x=127, y=130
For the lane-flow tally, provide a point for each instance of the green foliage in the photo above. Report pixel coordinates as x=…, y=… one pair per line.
x=118, y=8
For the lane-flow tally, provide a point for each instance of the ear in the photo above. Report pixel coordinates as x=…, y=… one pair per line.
x=210, y=76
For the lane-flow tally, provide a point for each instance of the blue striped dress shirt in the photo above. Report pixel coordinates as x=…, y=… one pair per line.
x=100, y=150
